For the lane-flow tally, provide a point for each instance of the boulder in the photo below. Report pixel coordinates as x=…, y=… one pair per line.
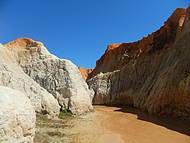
x=17, y=117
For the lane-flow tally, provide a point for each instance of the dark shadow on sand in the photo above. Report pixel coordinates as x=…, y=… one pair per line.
x=176, y=124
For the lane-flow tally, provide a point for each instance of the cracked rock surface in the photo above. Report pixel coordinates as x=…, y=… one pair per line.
x=17, y=117
x=59, y=77
x=12, y=75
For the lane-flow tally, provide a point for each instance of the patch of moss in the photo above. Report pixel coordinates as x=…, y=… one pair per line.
x=64, y=113
x=56, y=133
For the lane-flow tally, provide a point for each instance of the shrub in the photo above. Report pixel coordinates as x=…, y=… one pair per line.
x=64, y=113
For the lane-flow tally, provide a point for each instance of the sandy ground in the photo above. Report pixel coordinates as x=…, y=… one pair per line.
x=116, y=125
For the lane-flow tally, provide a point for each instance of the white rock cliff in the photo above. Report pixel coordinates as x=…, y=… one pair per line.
x=12, y=75
x=17, y=117
x=59, y=77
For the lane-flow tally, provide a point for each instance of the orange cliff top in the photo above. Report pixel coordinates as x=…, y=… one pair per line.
x=175, y=20
x=162, y=38
x=22, y=43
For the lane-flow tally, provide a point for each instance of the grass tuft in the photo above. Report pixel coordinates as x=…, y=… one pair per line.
x=64, y=113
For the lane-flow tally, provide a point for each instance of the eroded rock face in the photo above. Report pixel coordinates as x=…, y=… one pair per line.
x=152, y=74
x=59, y=77
x=118, y=55
x=17, y=117
x=85, y=72
x=13, y=76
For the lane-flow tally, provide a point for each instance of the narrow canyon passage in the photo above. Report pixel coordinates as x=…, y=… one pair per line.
x=116, y=125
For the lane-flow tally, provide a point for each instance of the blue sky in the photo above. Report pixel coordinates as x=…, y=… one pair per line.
x=80, y=30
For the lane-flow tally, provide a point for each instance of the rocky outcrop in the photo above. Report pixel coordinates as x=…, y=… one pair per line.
x=12, y=75
x=152, y=74
x=85, y=72
x=59, y=77
x=17, y=117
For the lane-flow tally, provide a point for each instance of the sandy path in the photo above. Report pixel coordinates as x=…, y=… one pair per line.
x=113, y=125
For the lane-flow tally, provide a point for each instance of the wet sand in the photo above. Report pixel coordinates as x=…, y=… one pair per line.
x=116, y=125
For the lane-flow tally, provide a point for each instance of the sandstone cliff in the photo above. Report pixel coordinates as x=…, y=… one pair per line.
x=85, y=72
x=152, y=74
x=59, y=77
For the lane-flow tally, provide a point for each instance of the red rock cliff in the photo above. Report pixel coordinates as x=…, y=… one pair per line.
x=152, y=74
x=118, y=55
x=85, y=72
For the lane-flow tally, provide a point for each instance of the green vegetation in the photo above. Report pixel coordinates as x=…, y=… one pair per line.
x=56, y=133
x=64, y=113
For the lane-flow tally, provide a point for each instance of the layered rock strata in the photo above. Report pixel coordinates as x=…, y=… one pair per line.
x=152, y=74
